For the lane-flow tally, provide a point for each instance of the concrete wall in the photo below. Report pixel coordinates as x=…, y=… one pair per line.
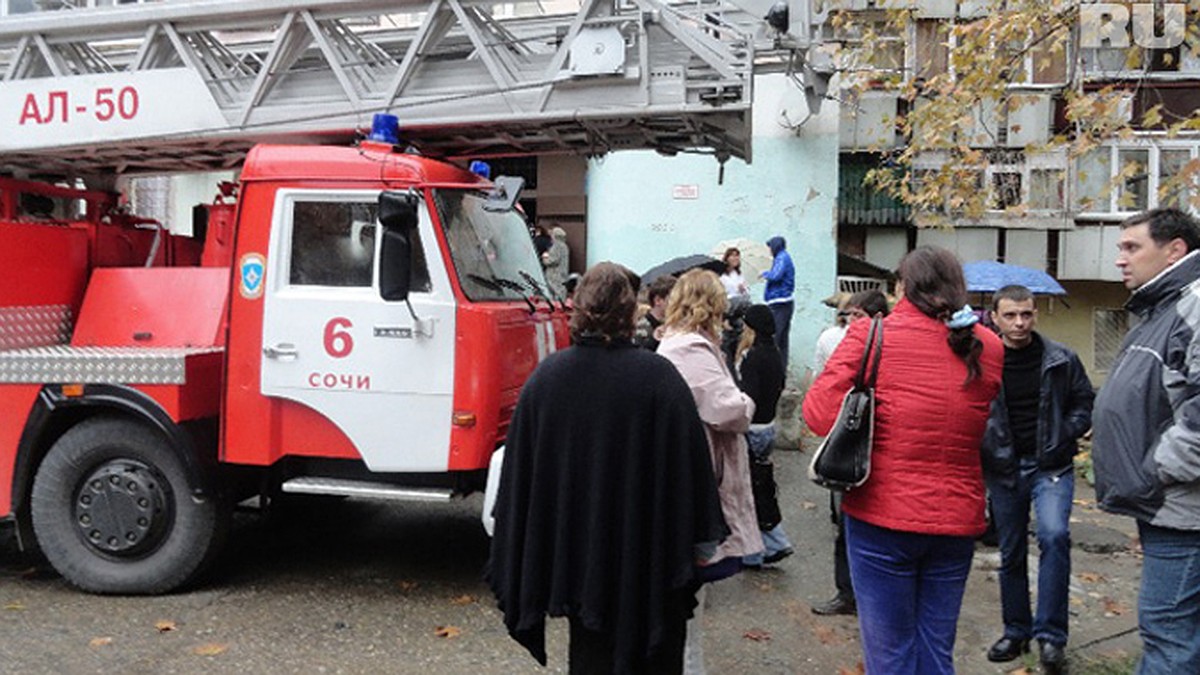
x=1074, y=326
x=644, y=208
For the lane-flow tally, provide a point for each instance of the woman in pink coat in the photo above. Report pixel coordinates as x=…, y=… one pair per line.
x=691, y=341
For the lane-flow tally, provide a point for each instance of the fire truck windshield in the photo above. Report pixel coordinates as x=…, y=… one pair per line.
x=492, y=251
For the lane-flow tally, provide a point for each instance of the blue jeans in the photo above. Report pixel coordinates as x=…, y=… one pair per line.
x=909, y=588
x=1050, y=493
x=1169, y=602
x=782, y=313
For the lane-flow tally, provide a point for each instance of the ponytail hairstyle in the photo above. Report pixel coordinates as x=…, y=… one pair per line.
x=934, y=283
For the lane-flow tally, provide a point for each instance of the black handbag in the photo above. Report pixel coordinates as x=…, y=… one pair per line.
x=843, y=460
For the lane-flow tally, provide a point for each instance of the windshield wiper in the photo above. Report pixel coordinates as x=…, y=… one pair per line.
x=497, y=284
x=538, y=290
x=490, y=284
x=514, y=286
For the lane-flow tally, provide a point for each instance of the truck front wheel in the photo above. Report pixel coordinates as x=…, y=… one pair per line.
x=113, y=512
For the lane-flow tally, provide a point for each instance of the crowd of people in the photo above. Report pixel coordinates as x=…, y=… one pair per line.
x=638, y=467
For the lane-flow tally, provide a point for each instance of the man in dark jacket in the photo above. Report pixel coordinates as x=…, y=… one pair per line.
x=1031, y=439
x=1147, y=437
x=781, y=286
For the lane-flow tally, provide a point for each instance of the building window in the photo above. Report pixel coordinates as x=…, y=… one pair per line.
x=1134, y=168
x=1046, y=189
x=1172, y=163
x=1140, y=170
x=1093, y=173
x=1109, y=327
x=1006, y=189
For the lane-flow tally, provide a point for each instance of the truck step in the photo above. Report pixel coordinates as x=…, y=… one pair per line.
x=356, y=488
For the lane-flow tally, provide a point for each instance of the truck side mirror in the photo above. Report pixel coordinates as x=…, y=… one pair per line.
x=398, y=216
x=504, y=194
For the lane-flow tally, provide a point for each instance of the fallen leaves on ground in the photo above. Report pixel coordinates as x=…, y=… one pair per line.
x=757, y=635
x=1113, y=608
x=464, y=599
x=1091, y=577
x=15, y=606
x=408, y=586
x=1020, y=671
x=825, y=635
x=859, y=669
x=447, y=631
x=164, y=626
x=210, y=649
x=100, y=642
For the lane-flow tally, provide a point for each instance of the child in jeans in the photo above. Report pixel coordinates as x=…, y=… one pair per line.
x=761, y=375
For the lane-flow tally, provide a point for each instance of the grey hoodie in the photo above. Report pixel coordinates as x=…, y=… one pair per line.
x=1147, y=416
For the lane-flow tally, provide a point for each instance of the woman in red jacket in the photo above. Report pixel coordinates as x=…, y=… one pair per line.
x=910, y=528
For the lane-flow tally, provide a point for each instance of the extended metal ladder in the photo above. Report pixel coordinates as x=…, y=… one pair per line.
x=192, y=85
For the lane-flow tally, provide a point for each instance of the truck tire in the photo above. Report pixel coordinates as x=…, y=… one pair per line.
x=113, y=511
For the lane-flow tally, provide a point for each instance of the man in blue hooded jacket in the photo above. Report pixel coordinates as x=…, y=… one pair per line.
x=781, y=285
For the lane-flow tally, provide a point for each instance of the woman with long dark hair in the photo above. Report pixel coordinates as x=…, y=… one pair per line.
x=910, y=529
x=731, y=278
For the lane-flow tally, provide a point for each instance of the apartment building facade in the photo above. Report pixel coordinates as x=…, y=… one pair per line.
x=1046, y=208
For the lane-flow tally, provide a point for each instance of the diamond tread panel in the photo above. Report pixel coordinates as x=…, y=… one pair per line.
x=88, y=365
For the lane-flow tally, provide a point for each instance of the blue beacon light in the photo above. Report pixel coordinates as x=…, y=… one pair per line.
x=481, y=168
x=385, y=129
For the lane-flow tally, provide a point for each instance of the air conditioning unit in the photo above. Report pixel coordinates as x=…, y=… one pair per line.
x=847, y=284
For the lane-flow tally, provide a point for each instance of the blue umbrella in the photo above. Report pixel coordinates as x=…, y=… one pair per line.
x=989, y=276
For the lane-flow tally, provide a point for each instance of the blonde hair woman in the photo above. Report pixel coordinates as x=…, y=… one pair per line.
x=695, y=316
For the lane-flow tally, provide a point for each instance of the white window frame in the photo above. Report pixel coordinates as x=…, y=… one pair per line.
x=1044, y=161
x=1155, y=147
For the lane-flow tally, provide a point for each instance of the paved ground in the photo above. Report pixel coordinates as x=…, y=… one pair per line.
x=355, y=587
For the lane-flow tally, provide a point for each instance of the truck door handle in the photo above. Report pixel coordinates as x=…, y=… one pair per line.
x=283, y=351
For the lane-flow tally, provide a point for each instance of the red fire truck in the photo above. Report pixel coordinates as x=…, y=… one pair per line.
x=357, y=321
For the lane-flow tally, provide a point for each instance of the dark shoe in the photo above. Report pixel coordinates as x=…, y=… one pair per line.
x=1054, y=658
x=840, y=604
x=1007, y=649
x=772, y=558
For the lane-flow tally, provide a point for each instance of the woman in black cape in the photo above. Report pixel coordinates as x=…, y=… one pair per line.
x=607, y=497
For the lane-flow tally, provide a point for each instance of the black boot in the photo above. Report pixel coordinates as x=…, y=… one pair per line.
x=842, y=603
x=1007, y=649
x=1053, y=658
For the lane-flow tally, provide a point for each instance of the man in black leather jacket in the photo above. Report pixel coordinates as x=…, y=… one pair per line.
x=1028, y=451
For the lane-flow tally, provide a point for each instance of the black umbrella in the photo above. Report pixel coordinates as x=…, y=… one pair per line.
x=677, y=266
